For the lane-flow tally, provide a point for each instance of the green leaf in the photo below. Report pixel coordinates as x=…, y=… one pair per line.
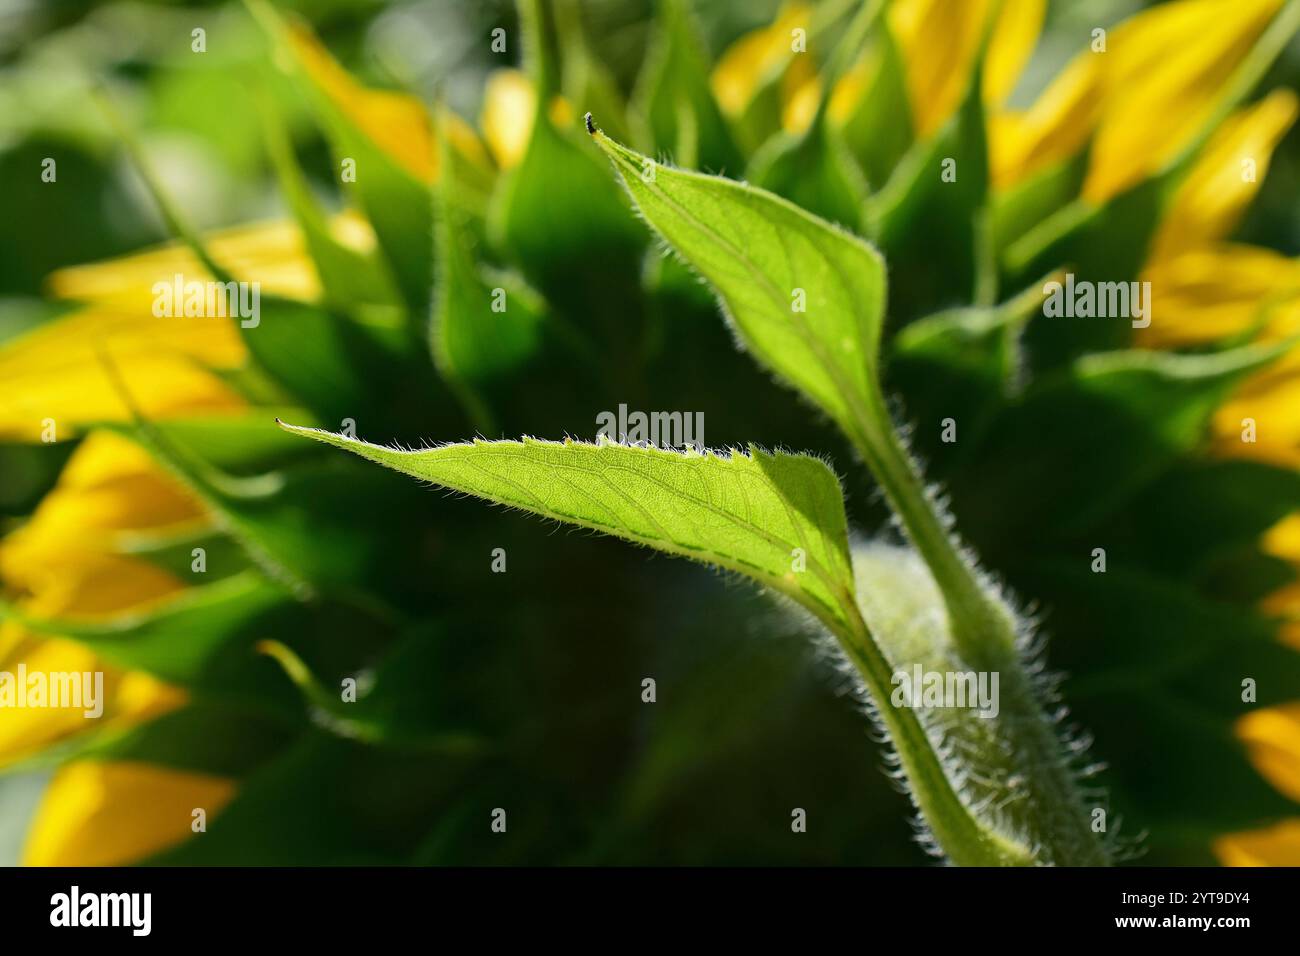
x=347, y=276
x=317, y=530
x=208, y=617
x=1205, y=646
x=239, y=444
x=1154, y=672
x=321, y=357
x=815, y=171
x=173, y=550
x=675, y=98
x=587, y=82
x=1100, y=244
x=557, y=211
x=1078, y=444
x=1023, y=205
x=382, y=712
x=310, y=526
x=760, y=119
x=30, y=470
x=485, y=325
x=980, y=339
x=961, y=364
x=215, y=737
x=398, y=204
x=778, y=519
x=318, y=354
x=1235, y=502
x=931, y=219
x=352, y=804
x=879, y=130
x=766, y=258
x=746, y=513
x=808, y=300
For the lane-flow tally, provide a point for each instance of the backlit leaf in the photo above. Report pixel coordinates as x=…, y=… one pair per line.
x=806, y=298
x=744, y=512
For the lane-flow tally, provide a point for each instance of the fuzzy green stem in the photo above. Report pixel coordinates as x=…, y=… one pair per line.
x=964, y=839
x=982, y=628
x=983, y=631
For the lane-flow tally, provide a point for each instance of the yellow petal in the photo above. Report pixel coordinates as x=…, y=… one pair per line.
x=108, y=814
x=1284, y=603
x=128, y=698
x=109, y=484
x=1272, y=738
x=507, y=118
x=463, y=138
x=1011, y=44
x=56, y=371
x=1146, y=96
x=939, y=40
x=397, y=123
x=270, y=253
x=62, y=562
x=1278, y=845
x=55, y=376
x=560, y=112
x=797, y=113
x=754, y=58
x=1056, y=127
x=735, y=76
x=853, y=85
x=88, y=583
x=1165, y=71
x=1226, y=177
x=1283, y=539
x=1208, y=293
x=1267, y=408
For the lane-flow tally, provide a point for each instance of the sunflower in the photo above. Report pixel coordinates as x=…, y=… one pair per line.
x=1155, y=99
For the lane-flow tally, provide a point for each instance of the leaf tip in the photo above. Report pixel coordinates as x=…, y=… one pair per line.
x=299, y=429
